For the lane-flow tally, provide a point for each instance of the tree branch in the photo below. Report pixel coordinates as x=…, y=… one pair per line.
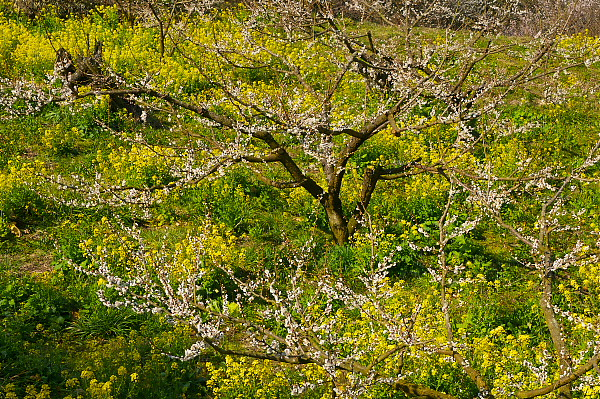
x=574, y=376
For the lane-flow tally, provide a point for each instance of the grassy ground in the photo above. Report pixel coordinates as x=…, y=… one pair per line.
x=56, y=338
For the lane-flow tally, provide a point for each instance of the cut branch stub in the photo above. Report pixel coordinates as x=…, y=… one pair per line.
x=88, y=71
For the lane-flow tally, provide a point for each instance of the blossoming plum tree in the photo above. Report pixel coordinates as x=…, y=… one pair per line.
x=295, y=93
x=302, y=98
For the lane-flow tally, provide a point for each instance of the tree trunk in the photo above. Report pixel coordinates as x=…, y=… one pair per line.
x=555, y=329
x=337, y=220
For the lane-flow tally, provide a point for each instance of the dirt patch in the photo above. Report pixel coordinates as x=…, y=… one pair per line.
x=27, y=254
x=38, y=262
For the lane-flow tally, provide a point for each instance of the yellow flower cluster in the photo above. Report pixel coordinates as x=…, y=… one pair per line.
x=61, y=140
x=580, y=44
x=23, y=50
x=261, y=379
x=138, y=165
x=9, y=391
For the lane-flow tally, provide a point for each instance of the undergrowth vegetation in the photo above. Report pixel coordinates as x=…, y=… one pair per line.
x=226, y=277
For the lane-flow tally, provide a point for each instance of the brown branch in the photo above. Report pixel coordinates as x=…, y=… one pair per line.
x=258, y=355
x=222, y=120
x=370, y=179
x=555, y=329
x=273, y=157
x=387, y=354
x=438, y=168
x=574, y=376
x=349, y=132
x=286, y=160
x=419, y=391
x=468, y=68
x=277, y=184
x=471, y=372
x=529, y=68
